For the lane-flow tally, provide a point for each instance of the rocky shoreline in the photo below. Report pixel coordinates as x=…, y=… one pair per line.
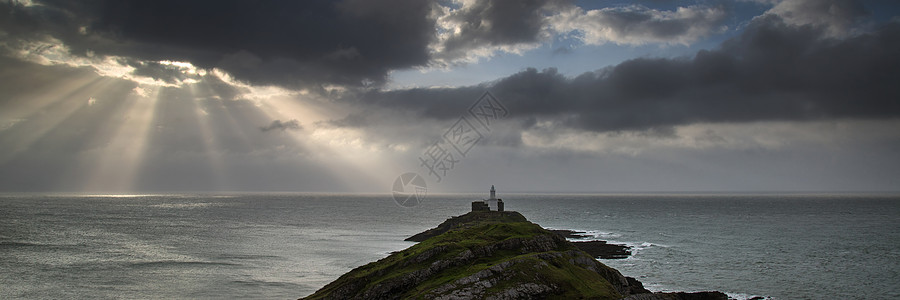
x=596, y=248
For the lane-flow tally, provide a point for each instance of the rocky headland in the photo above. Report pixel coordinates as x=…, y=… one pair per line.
x=598, y=249
x=493, y=255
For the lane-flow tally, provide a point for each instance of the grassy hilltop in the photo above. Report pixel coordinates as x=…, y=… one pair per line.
x=484, y=254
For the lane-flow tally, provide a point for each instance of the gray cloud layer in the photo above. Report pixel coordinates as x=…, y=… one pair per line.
x=494, y=23
x=640, y=25
x=773, y=71
x=282, y=126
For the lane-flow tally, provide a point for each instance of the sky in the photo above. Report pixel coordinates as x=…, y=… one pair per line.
x=114, y=96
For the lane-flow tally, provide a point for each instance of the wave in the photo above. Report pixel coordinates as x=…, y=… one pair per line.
x=177, y=263
x=588, y=235
x=608, y=237
x=595, y=234
x=740, y=296
x=19, y=244
x=263, y=283
x=641, y=245
x=185, y=205
x=246, y=257
x=14, y=244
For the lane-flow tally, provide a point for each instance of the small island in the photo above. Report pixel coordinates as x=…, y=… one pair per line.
x=493, y=254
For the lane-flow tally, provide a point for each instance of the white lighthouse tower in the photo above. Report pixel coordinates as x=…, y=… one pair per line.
x=494, y=203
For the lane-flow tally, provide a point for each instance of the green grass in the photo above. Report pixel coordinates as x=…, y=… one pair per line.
x=480, y=230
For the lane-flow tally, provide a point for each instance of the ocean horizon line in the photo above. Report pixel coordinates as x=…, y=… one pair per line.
x=433, y=194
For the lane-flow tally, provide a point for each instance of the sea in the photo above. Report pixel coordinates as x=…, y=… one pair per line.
x=288, y=245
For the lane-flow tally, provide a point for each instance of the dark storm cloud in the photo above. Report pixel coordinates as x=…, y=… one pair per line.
x=772, y=71
x=282, y=126
x=496, y=23
x=262, y=42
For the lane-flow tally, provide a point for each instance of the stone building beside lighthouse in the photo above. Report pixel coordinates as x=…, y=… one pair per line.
x=491, y=204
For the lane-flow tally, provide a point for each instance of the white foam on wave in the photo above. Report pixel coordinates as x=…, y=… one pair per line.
x=608, y=237
x=601, y=235
x=648, y=244
x=637, y=246
x=589, y=235
x=740, y=296
x=656, y=287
